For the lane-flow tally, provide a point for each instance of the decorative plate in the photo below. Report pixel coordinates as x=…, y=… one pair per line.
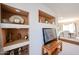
x=16, y=19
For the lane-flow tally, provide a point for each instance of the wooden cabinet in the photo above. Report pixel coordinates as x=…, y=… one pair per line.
x=52, y=47
x=46, y=18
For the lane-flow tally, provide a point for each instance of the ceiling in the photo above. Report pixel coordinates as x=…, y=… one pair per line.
x=65, y=10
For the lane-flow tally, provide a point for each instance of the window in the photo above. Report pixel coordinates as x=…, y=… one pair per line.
x=69, y=27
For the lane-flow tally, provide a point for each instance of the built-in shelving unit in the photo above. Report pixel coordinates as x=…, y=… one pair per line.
x=46, y=18
x=14, y=28
x=12, y=35
x=13, y=15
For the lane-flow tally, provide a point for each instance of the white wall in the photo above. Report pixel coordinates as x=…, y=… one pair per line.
x=35, y=31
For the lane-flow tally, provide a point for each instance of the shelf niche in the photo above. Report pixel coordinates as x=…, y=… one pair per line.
x=6, y=12
x=46, y=18
x=11, y=35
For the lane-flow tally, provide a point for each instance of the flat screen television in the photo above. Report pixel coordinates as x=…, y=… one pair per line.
x=49, y=34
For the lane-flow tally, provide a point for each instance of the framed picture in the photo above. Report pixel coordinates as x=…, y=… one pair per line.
x=49, y=34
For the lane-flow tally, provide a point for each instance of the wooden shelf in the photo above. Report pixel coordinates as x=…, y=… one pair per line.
x=23, y=50
x=8, y=11
x=7, y=25
x=15, y=44
x=46, y=18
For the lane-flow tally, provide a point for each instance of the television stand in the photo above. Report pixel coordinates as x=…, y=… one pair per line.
x=52, y=47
